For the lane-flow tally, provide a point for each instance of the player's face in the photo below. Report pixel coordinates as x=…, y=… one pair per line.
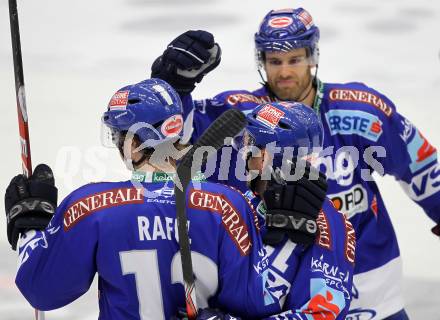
x=288, y=73
x=259, y=164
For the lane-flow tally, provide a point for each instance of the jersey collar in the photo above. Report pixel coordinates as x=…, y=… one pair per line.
x=151, y=177
x=318, y=96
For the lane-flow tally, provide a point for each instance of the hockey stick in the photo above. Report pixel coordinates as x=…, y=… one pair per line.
x=19, y=90
x=21, y=102
x=229, y=124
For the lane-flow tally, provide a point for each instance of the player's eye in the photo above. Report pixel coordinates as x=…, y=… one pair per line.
x=297, y=60
x=274, y=62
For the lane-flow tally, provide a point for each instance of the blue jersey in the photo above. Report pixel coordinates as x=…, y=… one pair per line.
x=129, y=238
x=313, y=282
x=382, y=140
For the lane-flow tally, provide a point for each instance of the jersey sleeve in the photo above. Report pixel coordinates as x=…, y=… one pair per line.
x=56, y=266
x=411, y=159
x=322, y=283
x=390, y=144
x=242, y=260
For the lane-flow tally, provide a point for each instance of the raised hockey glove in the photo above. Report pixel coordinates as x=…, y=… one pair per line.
x=187, y=59
x=293, y=206
x=30, y=203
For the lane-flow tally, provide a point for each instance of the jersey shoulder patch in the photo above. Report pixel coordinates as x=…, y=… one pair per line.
x=91, y=198
x=359, y=97
x=243, y=97
x=218, y=199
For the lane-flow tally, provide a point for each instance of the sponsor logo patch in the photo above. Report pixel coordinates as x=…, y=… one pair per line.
x=324, y=238
x=351, y=201
x=231, y=219
x=324, y=301
x=306, y=19
x=348, y=122
x=421, y=152
x=98, y=201
x=172, y=126
x=423, y=185
x=119, y=100
x=350, y=241
x=373, y=206
x=270, y=115
x=280, y=22
x=235, y=99
x=334, y=276
x=407, y=130
x=361, y=96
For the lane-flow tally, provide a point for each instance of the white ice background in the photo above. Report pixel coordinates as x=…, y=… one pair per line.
x=77, y=53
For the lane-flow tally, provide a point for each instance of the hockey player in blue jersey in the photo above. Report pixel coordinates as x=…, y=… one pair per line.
x=311, y=278
x=317, y=275
x=126, y=231
x=353, y=114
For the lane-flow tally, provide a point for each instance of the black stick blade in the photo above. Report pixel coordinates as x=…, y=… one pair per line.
x=229, y=124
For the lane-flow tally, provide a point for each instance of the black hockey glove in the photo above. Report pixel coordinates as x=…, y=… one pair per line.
x=186, y=60
x=293, y=206
x=30, y=203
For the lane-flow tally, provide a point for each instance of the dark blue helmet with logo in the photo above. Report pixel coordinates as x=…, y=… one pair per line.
x=285, y=30
x=287, y=124
x=151, y=110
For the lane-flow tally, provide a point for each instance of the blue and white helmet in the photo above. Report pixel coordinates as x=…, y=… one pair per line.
x=285, y=30
x=151, y=110
x=288, y=125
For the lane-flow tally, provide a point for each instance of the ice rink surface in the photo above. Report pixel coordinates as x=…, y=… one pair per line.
x=77, y=53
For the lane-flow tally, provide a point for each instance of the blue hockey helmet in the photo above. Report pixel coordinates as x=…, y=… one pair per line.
x=287, y=124
x=285, y=30
x=151, y=109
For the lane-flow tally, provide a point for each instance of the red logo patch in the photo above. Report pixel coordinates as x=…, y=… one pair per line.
x=119, y=100
x=231, y=219
x=426, y=150
x=322, y=308
x=172, y=126
x=376, y=127
x=235, y=99
x=306, y=19
x=280, y=22
x=373, y=206
x=361, y=96
x=325, y=238
x=98, y=201
x=270, y=115
x=350, y=241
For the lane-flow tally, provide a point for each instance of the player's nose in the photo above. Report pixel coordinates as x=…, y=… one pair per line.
x=284, y=71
